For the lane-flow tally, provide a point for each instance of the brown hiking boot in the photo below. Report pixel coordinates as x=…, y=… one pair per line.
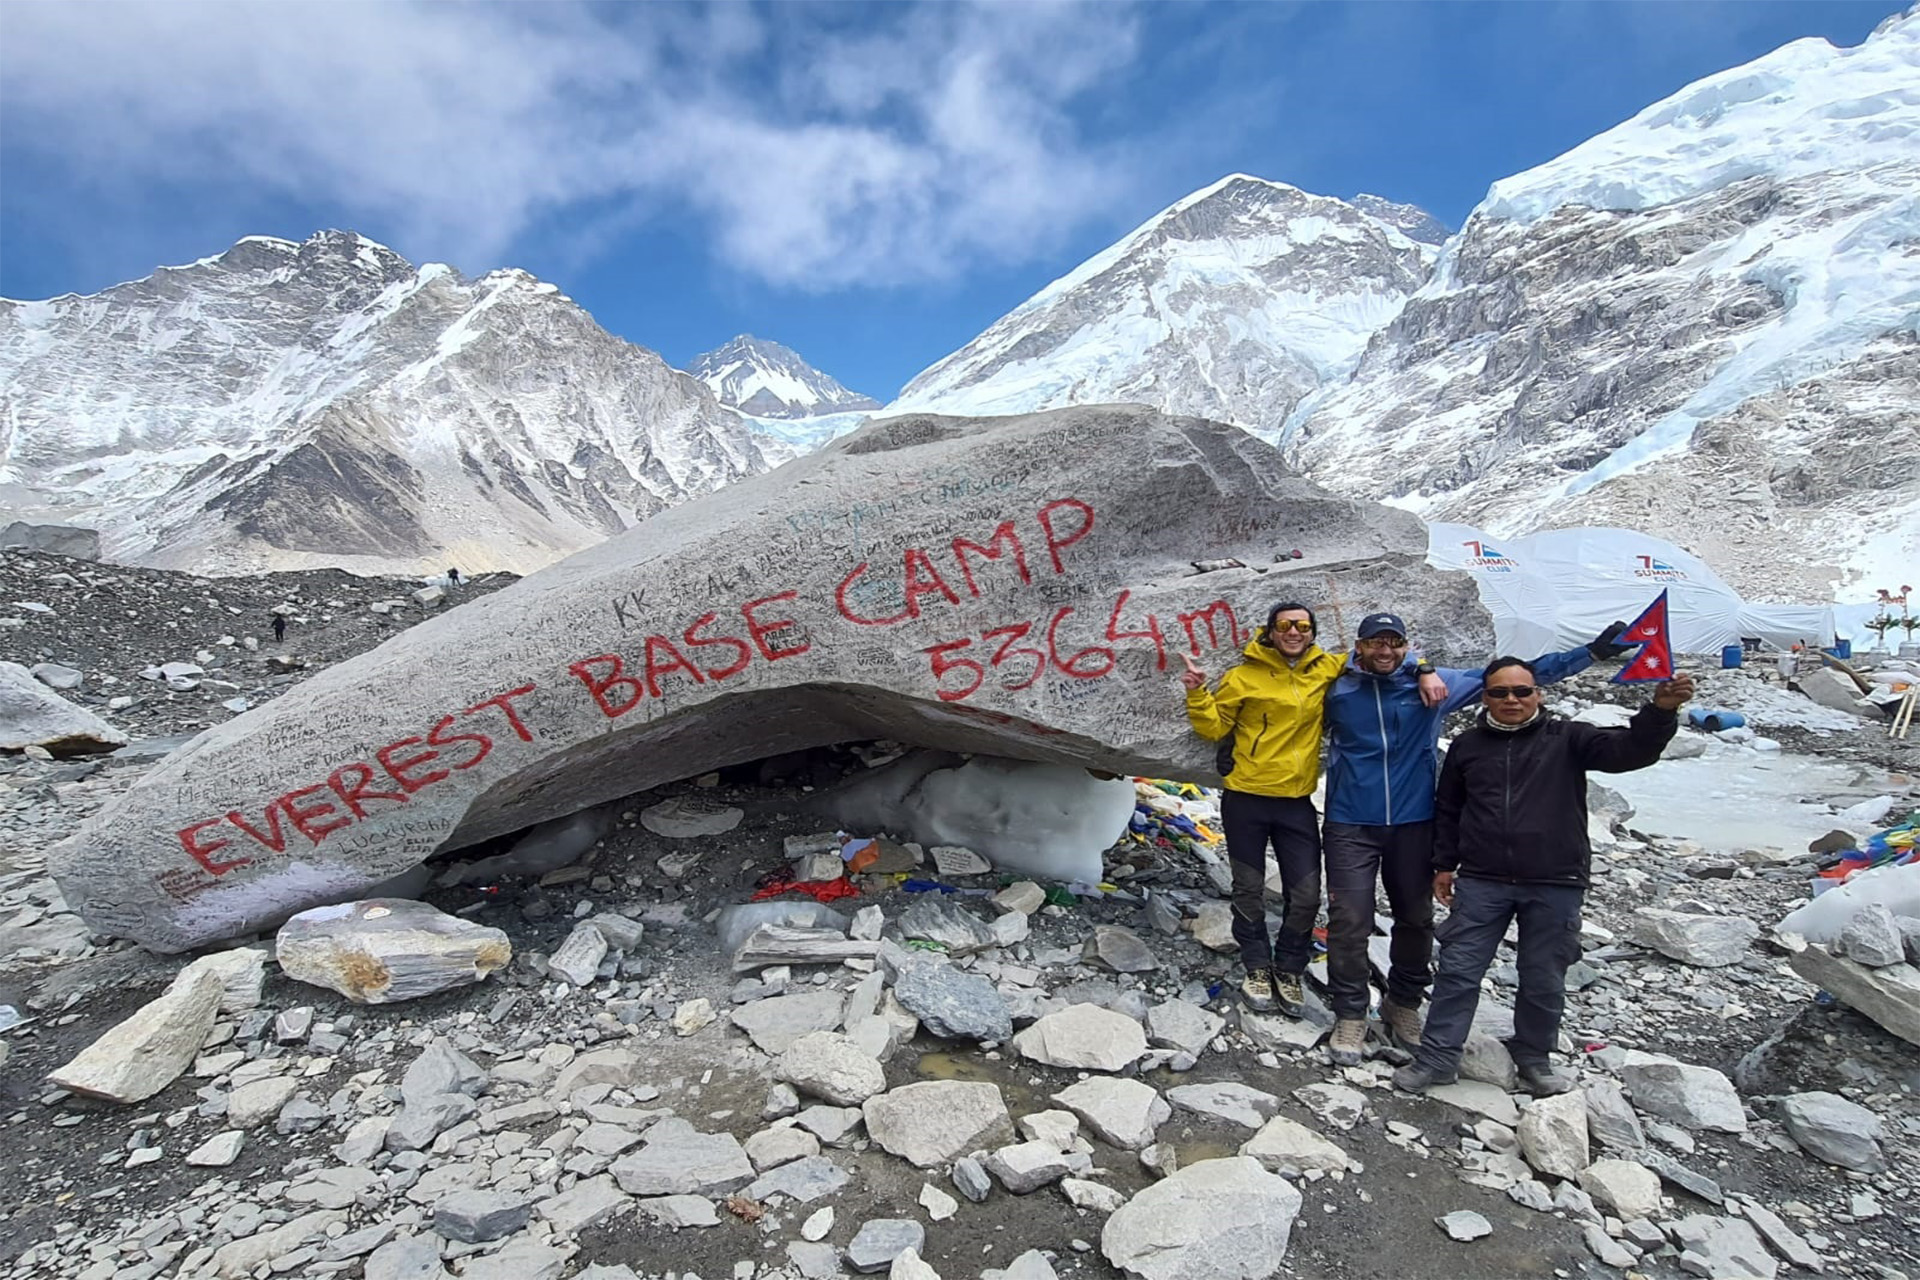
x=1403, y=1024
x=1257, y=989
x=1348, y=1043
x=1288, y=997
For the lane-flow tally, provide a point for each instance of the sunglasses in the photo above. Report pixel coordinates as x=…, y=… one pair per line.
x=1514, y=691
x=1293, y=624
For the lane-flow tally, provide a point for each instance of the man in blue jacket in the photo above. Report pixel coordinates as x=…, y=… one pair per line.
x=1383, y=756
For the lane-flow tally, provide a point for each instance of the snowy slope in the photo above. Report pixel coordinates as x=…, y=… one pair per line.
x=289, y=405
x=1701, y=323
x=763, y=379
x=1232, y=304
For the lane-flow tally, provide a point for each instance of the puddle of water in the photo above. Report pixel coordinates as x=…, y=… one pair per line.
x=1020, y=1096
x=1732, y=799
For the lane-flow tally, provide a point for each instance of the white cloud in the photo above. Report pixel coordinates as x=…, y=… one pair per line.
x=815, y=153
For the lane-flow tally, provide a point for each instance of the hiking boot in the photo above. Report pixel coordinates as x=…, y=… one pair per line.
x=1257, y=989
x=1542, y=1081
x=1419, y=1079
x=1287, y=995
x=1348, y=1042
x=1403, y=1024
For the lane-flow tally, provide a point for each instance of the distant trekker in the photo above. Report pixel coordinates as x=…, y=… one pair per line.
x=453, y=577
x=279, y=627
x=1510, y=843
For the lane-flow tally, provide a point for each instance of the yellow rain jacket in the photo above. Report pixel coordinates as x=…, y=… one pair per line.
x=1275, y=712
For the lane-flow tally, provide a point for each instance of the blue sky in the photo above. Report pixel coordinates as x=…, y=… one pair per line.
x=870, y=184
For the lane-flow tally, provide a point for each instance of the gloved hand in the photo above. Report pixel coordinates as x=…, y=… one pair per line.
x=1602, y=646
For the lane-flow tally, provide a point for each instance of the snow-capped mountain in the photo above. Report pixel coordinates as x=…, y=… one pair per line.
x=1701, y=323
x=763, y=379
x=288, y=405
x=1412, y=221
x=1232, y=304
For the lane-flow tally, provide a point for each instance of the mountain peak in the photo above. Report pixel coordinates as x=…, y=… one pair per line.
x=763, y=379
x=1410, y=220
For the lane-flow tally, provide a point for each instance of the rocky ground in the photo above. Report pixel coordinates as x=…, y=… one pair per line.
x=313, y=1136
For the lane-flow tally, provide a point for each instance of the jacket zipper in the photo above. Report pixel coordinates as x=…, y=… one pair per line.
x=1506, y=815
x=1386, y=751
x=1254, y=746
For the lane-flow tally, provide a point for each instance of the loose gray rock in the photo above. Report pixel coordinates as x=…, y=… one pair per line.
x=1553, y=1134
x=1690, y=1096
x=678, y=1160
x=1717, y=1247
x=1121, y=950
x=1890, y=995
x=1182, y=1025
x=1028, y=1166
x=933, y=918
x=951, y=1003
x=1031, y=1265
x=680, y=1211
x=771, y=1148
x=380, y=950
x=219, y=1150
x=1703, y=940
x=970, y=1176
x=1124, y=1112
x=147, y=1052
x=1226, y=1100
x=1610, y=1117
x=803, y=1181
x=32, y=715
x=417, y=1124
x=1833, y=1129
x=1215, y=1220
x=1334, y=1104
x=476, y=1216
x=681, y=818
x=933, y=1121
x=587, y=1203
x=518, y=1260
x=406, y=1258
x=775, y=1023
x=439, y=1069
x=578, y=959
x=881, y=1240
x=1083, y=1037
x=1465, y=1224
x=1624, y=1188
x=1284, y=1145
x=825, y=1064
x=258, y=1101
x=1872, y=938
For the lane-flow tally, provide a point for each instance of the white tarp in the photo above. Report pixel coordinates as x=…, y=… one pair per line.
x=1551, y=590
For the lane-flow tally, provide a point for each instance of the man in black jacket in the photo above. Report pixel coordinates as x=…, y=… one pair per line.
x=1510, y=840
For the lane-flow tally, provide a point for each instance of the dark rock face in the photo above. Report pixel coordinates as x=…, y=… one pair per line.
x=60, y=539
x=1018, y=587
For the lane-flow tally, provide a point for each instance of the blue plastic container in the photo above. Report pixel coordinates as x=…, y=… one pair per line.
x=1730, y=656
x=1842, y=649
x=1714, y=721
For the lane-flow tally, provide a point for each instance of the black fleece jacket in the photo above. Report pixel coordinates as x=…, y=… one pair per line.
x=1513, y=805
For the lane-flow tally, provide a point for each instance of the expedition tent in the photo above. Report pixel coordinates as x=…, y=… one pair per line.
x=1554, y=589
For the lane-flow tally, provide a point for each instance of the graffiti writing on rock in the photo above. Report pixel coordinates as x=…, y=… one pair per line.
x=774, y=637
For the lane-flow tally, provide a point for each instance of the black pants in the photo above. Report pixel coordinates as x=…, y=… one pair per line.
x=1292, y=826
x=1470, y=936
x=1402, y=856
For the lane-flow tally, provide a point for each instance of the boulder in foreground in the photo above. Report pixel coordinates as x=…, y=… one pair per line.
x=147, y=1052
x=380, y=950
x=32, y=715
x=1223, y=1219
x=1020, y=587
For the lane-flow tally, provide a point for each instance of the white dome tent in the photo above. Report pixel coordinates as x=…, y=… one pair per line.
x=1551, y=590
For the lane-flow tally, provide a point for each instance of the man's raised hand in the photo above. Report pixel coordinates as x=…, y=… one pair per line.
x=1668, y=695
x=1193, y=677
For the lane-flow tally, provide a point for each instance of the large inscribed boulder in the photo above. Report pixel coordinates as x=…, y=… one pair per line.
x=1020, y=587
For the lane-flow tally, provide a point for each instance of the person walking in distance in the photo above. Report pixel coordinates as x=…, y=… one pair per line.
x=279, y=628
x=1383, y=754
x=453, y=577
x=1270, y=707
x=1510, y=842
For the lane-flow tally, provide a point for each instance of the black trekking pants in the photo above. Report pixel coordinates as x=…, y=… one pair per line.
x=1402, y=856
x=1292, y=827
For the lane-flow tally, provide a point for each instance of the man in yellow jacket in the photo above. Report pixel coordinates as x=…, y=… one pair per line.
x=1273, y=704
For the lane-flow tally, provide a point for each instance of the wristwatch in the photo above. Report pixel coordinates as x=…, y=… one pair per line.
x=1424, y=668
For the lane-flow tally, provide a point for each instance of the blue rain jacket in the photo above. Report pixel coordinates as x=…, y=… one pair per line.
x=1383, y=745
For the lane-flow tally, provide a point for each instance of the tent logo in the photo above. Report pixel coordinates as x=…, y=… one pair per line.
x=1659, y=570
x=1482, y=555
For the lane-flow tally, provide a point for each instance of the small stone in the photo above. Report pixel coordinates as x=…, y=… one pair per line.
x=1226, y=1100
x=939, y=1205
x=1333, y=1104
x=476, y=1216
x=693, y=1016
x=827, y=1065
x=381, y=950
x=1831, y=1128
x=881, y=1240
x=1553, y=1134
x=1023, y=896
x=578, y=959
x=818, y=1224
x=971, y=1178
x=1872, y=938
x=1286, y=1146
x=680, y=1211
x=1027, y=1166
x=1623, y=1188
x=147, y=1052
x=219, y=1150
x=771, y=1148
x=1180, y=1024
x=1084, y=1194
x=254, y=1103
x=1604, y=1247
x=1083, y=1037
x=1465, y=1224
x=1121, y=949
x=1702, y=940
x=908, y=1265
x=1693, y=1096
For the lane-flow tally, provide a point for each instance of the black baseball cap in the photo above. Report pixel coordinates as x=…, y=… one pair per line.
x=1375, y=624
